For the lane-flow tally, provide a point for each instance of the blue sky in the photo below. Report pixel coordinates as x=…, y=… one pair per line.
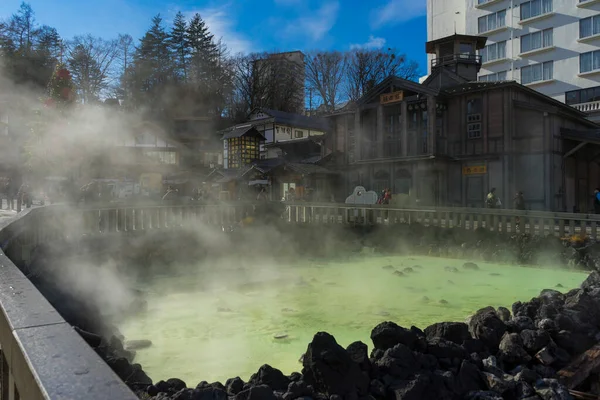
x=252, y=25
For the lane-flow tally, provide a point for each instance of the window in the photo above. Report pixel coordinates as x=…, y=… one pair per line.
x=474, y=107
x=537, y=72
x=583, y=95
x=299, y=134
x=589, y=26
x=497, y=76
x=465, y=48
x=589, y=61
x=494, y=51
x=163, y=157
x=242, y=151
x=534, y=8
x=537, y=40
x=492, y=21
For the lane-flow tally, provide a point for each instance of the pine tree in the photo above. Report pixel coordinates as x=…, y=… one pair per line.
x=178, y=45
x=151, y=72
x=203, y=50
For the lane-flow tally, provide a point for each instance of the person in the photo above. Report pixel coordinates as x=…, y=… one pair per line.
x=387, y=196
x=491, y=200
x=519, y=201
x=597, y=201
x=24, y=196
x=262, y=195
x=171, y=193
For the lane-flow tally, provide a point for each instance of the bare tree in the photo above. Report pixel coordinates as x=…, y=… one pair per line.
x=125, y=51
x=324, y=74
x=366, y=68
x=249, y=91
x=90, y=61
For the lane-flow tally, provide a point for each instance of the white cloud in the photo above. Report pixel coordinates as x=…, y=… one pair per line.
x=396, y=11
x=372, y=43
x=221, y=24
x=315, y=24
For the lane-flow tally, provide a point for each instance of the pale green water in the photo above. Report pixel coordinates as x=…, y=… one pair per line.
x=195, y=339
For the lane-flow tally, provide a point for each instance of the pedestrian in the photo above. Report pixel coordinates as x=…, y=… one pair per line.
x=519, y=201
x=491, y=200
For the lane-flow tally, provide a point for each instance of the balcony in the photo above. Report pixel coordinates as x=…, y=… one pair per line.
x=585, y=100
x=456, y=58
x=591, y=107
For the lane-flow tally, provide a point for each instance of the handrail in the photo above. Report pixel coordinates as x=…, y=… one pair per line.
x=130, y=217
x=41, y=356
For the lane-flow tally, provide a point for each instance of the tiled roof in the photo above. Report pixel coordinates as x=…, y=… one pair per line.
x=298, y=120
x=242, y=131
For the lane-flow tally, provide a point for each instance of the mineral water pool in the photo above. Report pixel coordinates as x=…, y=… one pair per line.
x=228, y=322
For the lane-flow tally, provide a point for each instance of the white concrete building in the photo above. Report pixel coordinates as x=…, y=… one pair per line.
x=552, y=46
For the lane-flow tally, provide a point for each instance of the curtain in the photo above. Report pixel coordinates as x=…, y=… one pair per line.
x=548, y=70
x=546, y=6
x=548, y=39
x=536, y=8
x=525, y=43
x=525, y=10
x=501, y=50
x=585, y=62
x=501, y=18
x=491, y=25
x=525, y=75
x=585, y=27
x=482, y=24
x=536, y=40
x=596, y=62
x=536, y=73
x=492, y=52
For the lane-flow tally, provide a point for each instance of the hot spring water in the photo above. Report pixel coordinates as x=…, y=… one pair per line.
x=230, y=329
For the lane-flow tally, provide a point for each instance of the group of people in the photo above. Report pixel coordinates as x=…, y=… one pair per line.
x=385, y=197
x=493, y=201
x=16, y=198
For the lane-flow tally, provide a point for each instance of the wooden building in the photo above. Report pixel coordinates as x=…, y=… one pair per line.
x=451, y=139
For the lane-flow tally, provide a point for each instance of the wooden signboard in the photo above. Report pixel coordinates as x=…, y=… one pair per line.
x=393, y=97
x=475, y=170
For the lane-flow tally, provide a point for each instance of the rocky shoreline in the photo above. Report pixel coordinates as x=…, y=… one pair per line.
x=496, y=354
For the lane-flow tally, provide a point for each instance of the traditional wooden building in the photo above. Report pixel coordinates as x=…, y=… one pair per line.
x=451, y=139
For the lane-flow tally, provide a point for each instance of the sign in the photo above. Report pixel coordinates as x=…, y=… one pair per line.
x=475, y=170
x=393, y=97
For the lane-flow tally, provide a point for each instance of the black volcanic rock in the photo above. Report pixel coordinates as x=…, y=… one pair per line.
x=456, y=332
x=487, y=327
x=387, y=334
x=329, y=369
x=272, y=377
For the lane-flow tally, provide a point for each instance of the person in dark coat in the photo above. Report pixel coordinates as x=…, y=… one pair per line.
x=519, y=201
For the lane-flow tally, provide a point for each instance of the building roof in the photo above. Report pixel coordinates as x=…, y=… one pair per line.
x=480, y=41
x=437, y=74
x=397, y=82
x=308, y=169
x=296, y=120
x=480, y=86
x=245, y=130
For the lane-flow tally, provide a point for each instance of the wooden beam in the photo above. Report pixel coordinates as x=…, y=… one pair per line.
x=574, y=149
